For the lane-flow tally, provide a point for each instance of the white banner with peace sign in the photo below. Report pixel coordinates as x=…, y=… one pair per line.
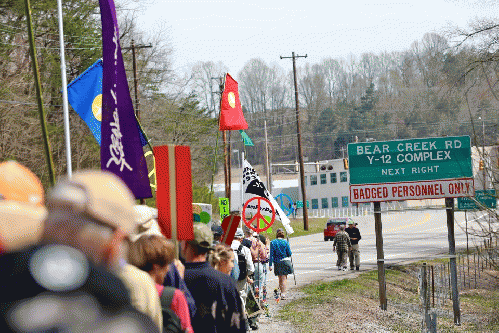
x=253, y=187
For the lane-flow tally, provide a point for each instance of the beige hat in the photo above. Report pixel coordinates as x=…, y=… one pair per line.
x=21, y=225
x=203, y=237
x=100, y=194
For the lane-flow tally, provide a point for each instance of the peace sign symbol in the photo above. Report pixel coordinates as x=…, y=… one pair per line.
x=287, y=208
x=258, y=216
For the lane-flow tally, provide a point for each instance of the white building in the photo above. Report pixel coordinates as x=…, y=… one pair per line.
x=326, y=184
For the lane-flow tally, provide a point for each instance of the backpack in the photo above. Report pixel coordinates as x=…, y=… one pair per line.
x=171, y=322
x=241, y=261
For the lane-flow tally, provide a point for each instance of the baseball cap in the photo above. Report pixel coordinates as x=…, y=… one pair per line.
x=203, y=237
x=217, y=230
x=351, y=222
x=21, y=225
x=18, y=183
x=239, y=233
x=101, y=195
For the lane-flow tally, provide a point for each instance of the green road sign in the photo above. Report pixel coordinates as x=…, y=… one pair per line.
x=486, y=199
x=299, y=204
x=410, y=160
x=223, y=204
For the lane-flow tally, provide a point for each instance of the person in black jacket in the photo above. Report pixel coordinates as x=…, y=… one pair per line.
x=353, y=252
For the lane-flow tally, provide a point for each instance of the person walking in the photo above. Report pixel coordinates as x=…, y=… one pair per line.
x=246, y=268
x=219, y=306
x=280, y=257
x=341, y=245
x=154, y=254
x=353, y=253
x=222, y=258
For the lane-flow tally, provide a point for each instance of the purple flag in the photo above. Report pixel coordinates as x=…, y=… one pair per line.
x=121, y=151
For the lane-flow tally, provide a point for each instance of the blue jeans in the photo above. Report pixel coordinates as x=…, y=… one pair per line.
x=260, y=275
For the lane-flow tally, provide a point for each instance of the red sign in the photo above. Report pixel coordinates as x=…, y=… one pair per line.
x=229, y=225
x=174, y=191
x=258, y=216
x=447, y=188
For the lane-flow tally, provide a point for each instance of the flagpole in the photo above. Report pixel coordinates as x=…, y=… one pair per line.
x=229, y=173
x=224, y=137
x=64, y=92
x=242, y=190
x=39, y=97
x=291, y=256
x=214, y=166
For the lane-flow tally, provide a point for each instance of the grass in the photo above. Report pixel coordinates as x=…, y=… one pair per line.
x=315, y=226
x=349, y=302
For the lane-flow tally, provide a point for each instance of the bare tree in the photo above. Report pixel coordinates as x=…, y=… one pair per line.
x=205, y=83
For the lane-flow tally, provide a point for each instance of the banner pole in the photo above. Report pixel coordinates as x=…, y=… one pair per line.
x=291, y=256
x=214, y=166
x=64, y=92
x=242, y=189
x=39, y=97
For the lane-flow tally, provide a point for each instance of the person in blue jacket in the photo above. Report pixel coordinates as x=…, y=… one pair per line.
x=280, y=257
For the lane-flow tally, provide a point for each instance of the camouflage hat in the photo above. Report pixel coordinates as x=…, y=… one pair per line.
x=203, y=236
x=100, y=194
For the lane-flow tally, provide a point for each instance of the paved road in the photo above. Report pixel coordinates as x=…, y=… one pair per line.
x=410, y=235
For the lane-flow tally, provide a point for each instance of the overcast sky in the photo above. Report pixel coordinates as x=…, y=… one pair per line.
x=236, y=31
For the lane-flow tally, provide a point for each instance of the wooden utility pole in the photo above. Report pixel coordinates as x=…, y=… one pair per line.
x=298, y=135
x=136, y=86
x=449, y=207
x=226, y=153
x=380, y=255
x=135, y=75
x=269, y=182
x=39, y=97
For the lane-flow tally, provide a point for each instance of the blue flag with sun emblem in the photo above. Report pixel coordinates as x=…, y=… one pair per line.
x=85, y=96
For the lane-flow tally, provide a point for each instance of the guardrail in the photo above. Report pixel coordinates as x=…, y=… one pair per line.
x=360, y=211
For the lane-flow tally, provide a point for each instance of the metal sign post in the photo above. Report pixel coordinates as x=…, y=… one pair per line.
x=380, y=256
x=449, y=207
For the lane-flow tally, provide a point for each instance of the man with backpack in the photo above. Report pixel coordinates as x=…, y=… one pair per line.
x=245, y=263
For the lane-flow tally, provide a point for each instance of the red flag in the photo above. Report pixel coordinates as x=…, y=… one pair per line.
x=231, y=113
x=174, y=192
